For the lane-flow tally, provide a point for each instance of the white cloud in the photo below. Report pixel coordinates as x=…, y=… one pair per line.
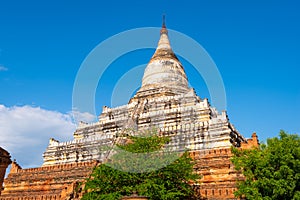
x=2, y=68
x=25, y=132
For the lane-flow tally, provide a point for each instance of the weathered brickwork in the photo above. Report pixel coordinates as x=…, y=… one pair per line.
x=51, y=182
x=134, y=197
x=218, y=175
x=4, y=162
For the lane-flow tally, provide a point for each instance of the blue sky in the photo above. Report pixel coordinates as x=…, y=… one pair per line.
x=255, y=45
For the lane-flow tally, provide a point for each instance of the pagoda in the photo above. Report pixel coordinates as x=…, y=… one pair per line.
x=165, y=102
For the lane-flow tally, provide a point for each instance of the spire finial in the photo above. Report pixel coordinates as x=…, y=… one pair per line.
x=164, y=28
x=164, y=21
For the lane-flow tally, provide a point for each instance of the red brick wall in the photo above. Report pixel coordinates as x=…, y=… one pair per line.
x=60, y=181
x=50, y=182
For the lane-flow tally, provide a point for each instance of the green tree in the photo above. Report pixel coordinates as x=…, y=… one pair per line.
x=145, y=169
x=271, y=171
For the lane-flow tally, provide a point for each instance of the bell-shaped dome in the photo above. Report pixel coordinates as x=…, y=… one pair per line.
x=164, y=68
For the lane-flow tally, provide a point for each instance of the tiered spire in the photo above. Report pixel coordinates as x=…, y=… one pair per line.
x=164, y=47
x=164, y=68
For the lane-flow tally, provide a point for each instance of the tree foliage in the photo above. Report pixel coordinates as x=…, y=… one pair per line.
x=271, y=171
x=168, y=182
